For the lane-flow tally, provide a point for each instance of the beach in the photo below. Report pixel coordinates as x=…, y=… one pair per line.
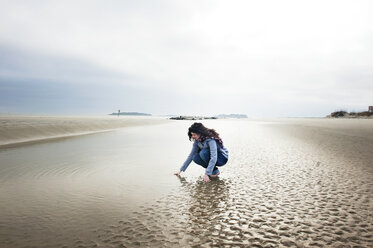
x=17, y=130
x=291, y=182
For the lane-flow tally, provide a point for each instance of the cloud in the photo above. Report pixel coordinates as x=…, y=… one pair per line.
x=20, y=63
x=213, y=55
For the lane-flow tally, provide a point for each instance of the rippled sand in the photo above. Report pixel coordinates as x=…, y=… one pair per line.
x=288, y=183
x=21, y=129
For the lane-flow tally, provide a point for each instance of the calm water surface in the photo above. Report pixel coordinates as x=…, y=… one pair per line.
x=58, y=192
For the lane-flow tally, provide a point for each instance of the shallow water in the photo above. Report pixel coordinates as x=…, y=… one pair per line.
x=284, y=185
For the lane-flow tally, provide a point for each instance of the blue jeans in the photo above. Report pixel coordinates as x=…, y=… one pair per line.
x=203, y=158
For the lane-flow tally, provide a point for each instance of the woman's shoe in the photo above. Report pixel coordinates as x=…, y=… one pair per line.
x=217, y=173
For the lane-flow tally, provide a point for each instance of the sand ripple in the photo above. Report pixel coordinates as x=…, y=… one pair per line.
x=283, y=187
x=272, y=194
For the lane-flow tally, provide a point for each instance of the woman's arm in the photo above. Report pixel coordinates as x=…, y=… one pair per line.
x=213, y=157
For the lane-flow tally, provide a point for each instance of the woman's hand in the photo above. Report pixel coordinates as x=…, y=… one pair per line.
x=206, y=178
x=177, y=173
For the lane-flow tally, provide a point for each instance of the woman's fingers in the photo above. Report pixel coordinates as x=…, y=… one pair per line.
x=206, y=178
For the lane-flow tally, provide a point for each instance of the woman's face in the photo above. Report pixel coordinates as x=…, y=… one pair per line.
x=195, y=136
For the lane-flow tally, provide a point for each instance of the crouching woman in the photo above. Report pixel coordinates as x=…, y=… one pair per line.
x=208, y=151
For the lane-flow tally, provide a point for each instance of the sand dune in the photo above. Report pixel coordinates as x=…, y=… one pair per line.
x=15, y=130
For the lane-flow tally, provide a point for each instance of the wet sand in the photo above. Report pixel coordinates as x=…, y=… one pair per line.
x=16, y=130
x=288, y=183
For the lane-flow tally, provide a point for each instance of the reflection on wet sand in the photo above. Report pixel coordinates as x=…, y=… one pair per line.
x=285, y=185
x=207, y=204
x=193, y=215
x=276, y=191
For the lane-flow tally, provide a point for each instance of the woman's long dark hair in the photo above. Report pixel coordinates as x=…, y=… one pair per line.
x=204, y=132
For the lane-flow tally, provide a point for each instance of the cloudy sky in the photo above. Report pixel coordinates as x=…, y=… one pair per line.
x=260, y=58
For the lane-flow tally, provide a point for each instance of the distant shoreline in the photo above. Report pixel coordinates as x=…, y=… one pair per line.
x=22, y=130
x=220, y=116
x=130, y=114
x=351, y=115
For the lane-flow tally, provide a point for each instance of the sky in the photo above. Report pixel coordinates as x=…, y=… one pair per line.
x=196, y=57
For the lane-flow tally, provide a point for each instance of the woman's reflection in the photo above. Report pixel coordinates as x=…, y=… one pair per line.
x=207, y=207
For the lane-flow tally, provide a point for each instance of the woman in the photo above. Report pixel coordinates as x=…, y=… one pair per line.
x=208, y=150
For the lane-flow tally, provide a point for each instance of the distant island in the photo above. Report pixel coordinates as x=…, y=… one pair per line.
x=220, y=116
x=231, y=116
x=187, y=117
x=131, y=113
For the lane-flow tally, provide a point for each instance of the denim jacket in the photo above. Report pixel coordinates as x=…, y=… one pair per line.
x=214, y=148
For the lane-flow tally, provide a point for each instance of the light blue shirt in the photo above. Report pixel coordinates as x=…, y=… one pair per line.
x=206, y=144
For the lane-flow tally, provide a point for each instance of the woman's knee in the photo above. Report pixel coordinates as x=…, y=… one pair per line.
x=205, y=155
x=198, y=160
